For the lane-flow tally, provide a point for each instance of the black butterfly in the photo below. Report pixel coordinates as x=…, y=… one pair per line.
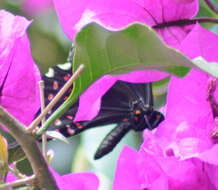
x=128, y=105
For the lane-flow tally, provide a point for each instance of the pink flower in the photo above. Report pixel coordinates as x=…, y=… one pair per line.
x=199, y=42
x=117, y=14
x=145, y=170
x=18, y=73
x=82, y=181
x=180, y=154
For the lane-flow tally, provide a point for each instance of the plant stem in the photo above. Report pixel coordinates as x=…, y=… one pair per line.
x=24, y=181
x=16, y=173
x=31, y=148
x=42, y=99
x=185, y=22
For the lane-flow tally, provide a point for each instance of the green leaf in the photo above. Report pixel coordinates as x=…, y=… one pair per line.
x=137, y=47
x=16, y=154
x=210, y=67
x=205, y=11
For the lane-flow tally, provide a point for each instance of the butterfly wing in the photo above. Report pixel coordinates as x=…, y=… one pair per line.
x=119, y=101
x=116, y=104
x=112, y=139
x=116, y=107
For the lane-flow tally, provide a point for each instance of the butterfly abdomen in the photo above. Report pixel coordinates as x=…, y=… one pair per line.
x=112, y=139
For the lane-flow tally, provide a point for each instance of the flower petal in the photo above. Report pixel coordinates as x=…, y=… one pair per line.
x=20, y=93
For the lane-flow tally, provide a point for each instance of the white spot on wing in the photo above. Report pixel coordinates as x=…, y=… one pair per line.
x=65, y=66
x=50, y=73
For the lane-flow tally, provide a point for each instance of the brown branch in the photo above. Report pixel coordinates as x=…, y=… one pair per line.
x=44, y=178
x=211, y=6
x=185, y=22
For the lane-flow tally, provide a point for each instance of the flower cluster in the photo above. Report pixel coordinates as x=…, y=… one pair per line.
x=181, y=153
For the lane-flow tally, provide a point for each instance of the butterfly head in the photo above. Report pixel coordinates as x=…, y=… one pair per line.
x=153, y=119
x=148, y=120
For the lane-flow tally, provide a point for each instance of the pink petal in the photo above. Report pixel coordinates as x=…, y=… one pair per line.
x=210, y=155
x=146, y=170
x=188, y=113
x=181, y=173
x=82, y=181
x=212, y=171
x=200, y=42
x=127, y=162
x=136, y=171
x=168, y=10
x=73, y=15
x=20, y=95
x=187, y=174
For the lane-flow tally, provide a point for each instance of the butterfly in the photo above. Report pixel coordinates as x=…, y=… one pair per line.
x=129, y=105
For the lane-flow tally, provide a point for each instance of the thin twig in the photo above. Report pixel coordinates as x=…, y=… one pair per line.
x=16, y=173
x=42, y=99
x=211, y=6
x=56, y=98
x=24, y=181
x=31, y=149
x=185, y=22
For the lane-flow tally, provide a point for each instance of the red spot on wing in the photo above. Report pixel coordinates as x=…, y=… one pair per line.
x=136, y=118
x=137, y=112
x=69, y=130
x=55, y=85
x=57, y=122
x=66, y=77
x=79, y=126
x=69, y=117
x=158, y=116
